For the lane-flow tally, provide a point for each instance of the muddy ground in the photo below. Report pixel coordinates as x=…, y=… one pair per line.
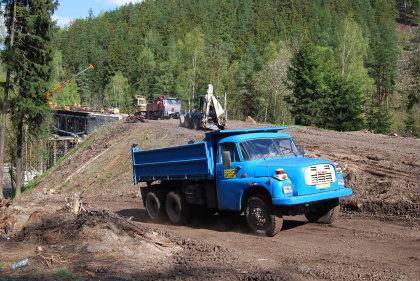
x=376, y=238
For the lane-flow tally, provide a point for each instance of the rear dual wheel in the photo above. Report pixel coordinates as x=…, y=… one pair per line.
x=155, y=205
x=177, y=209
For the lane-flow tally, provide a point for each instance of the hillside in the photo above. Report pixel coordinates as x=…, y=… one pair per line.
x=382, y=170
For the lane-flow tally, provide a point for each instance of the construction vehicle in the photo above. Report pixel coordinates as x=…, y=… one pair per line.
x=48, y=95
x=164, y=108
x=208, y=113
x=260, y=172
x=141, y=106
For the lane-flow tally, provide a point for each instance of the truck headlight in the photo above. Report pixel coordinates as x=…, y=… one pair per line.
x=287, y=189
x=340, y=181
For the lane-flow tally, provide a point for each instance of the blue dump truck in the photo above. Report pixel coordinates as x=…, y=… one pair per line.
x=259, y=172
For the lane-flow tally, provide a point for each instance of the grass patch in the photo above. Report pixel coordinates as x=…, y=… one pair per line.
x=4, y=277
x=34, y=273
x=64, y=186
x=64, y=274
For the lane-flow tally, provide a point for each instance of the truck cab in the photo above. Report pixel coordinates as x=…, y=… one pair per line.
x=164, y=108
x=258, y=172
x=273, y=163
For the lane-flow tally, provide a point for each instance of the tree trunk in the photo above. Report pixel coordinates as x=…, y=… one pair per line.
x=6, y=101
x=19, y=155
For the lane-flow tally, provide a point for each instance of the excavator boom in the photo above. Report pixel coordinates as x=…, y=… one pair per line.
x=213, y=107
x=49, y=94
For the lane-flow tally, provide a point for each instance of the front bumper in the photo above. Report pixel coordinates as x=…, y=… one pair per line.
x=293, y=200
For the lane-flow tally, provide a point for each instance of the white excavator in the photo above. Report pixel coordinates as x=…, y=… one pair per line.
x=208, y=114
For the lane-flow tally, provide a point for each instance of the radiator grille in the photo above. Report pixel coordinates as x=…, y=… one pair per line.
x=318, y=174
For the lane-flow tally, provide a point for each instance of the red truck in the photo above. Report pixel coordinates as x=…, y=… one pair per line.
x=164, y=108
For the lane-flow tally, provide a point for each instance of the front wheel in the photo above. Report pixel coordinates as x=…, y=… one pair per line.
x=177, y=209
x=260, y=218
x=326, y=212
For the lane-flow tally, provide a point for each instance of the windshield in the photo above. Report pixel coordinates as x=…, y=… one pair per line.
x=267, y=148
x=174, y=101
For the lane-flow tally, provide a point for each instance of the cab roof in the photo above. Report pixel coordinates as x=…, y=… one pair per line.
x=238, y=138
x=244, y=133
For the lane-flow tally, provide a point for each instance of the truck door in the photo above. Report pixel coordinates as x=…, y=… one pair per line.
x=227, y=179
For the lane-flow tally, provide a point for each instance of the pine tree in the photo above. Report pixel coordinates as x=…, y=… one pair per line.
x=32, y=69
x=8, y=58
x=378, y=118
x=249, y=102
x=306, y=77
x=344, y=108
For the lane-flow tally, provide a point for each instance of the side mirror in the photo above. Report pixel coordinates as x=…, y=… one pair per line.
x=301, y=149
x=226, y=159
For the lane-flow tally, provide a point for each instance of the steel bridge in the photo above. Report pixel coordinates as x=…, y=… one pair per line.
x=77, y=123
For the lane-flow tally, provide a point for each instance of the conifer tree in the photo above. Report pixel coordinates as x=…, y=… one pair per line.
x=306, y=77
x=7, y=57
x=31, y=66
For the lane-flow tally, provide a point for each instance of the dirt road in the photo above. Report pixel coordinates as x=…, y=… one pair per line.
x=376, y=238
x=353, y=248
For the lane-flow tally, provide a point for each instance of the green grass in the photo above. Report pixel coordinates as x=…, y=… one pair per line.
x=64, y=274
x=4, y=277
x=64, y=186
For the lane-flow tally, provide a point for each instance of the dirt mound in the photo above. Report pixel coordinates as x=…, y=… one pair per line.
x=95, y=232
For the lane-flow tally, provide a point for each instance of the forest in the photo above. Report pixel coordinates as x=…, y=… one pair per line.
x=330, y=64
x=339, y=65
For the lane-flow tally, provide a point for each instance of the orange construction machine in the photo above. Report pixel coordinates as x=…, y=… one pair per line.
x=49, y=94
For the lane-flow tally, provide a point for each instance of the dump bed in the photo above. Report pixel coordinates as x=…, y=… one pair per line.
x=192, y=161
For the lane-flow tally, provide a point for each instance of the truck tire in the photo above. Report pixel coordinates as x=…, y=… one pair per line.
x=177, y=209
x=196, y=124
x=260, y=218
x=326, y=212
x=161, y=116
x=155, y=205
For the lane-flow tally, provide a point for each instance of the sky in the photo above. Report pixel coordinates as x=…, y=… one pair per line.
x=69, y=10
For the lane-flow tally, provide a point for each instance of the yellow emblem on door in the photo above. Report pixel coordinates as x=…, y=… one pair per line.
x=230, y=173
